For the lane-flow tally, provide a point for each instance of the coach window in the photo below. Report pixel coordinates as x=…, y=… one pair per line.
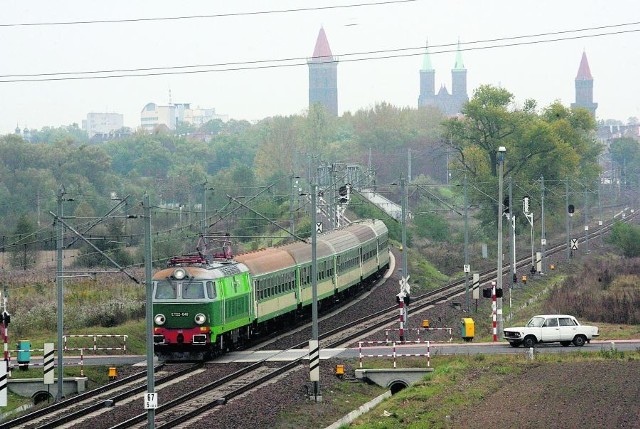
x=211, y=290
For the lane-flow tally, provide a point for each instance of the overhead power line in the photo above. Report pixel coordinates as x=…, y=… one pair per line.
x=298, y=61
x=209, y=16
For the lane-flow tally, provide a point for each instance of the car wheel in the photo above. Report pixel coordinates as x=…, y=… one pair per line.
x=579, y=341
x=565, y=343
x=514, y=343
x=529, y=342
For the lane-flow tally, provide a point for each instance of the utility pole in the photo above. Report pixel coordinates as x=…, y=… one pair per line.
x=467, y=267
x=314, y=346
x=586, y=221
x=511, y=218
x=291, y=202
x=148, y=261
x=501, y=155
x=567, y=216
x=60, y=291
x=403, y=297
x=543, y=237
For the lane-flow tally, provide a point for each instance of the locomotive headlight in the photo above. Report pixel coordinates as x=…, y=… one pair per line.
x=179, y=274
x=200, y=318
x=159, y=319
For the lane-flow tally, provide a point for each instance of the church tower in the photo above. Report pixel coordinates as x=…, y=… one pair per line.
x=448, y=104
x=584, y=87
x=323, y=75
x=458, y=83
x=427, y=81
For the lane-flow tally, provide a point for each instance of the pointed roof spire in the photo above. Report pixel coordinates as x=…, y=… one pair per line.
x=426, y=58
x=584, y=73
x=459, y=64
x=322, y=49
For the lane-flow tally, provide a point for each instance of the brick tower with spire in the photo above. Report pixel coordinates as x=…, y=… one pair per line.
x=449, y=104
x=584, y=87
x=323, y=75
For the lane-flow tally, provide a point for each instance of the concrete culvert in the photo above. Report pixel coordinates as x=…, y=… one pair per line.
x=397, y=386
x=41, y=396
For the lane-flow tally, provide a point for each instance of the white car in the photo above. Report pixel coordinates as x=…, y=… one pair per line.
x=551, y=328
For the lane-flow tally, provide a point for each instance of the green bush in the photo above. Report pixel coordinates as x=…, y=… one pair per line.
x=627, y=238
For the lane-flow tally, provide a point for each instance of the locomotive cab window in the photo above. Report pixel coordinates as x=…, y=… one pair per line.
x=165, y=290
x=193, y=290
x=211, y=290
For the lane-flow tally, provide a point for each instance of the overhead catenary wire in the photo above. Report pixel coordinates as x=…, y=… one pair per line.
x=299, y=61
x=205, y=16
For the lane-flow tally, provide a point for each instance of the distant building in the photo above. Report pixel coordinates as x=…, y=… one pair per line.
x=25, y=134
x=323, y=75
x=102, y=123
x=153, y=115
x=584, y=87
x=197, y=116
x=449, y=104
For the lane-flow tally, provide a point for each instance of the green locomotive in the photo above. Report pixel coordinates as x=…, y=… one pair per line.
x=204, y=306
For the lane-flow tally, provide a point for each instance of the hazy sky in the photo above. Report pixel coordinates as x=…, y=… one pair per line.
x=542, y=71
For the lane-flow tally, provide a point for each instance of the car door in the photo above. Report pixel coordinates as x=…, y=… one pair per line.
x=568, y=328
x=550, y=330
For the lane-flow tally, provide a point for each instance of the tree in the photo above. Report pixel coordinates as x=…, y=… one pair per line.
x=23, y=254
x=556, y=144
x=625, y=153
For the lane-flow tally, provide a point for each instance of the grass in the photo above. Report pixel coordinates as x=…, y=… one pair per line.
x=459, y=383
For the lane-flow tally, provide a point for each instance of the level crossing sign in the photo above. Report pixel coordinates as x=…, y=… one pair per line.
x=574, y=244
x=319, y=227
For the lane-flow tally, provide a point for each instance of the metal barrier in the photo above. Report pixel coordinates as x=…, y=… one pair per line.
x=394, y=353
x=95, y=342
x=28, y=364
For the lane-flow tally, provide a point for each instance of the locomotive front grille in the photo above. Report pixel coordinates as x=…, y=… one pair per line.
x=199, y=339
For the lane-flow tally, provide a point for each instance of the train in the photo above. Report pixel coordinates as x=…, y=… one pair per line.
x=205, y=305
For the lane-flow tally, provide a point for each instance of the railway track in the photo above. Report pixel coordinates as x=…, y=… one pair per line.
x=180, y=410
x=337, y=337
x=76, y=407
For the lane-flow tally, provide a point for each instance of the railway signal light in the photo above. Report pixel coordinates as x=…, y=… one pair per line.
x=571, y=209
x=505, y=205
x=5, y=318
x=343, y=192
x=499, y=292
x=486, y=292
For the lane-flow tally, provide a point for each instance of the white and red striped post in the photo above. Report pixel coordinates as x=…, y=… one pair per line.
x=494, y=307
x=401, y=331
x=360, y=352
x=428, y=354
x=81, y=362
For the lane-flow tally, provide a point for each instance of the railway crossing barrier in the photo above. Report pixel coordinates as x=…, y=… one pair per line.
x=95, y=342
x=394, y=352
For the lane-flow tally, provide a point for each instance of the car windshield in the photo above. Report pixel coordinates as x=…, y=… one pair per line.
x=535, y=322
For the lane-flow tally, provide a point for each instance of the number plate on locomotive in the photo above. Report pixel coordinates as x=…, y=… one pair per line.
x=183, y=314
